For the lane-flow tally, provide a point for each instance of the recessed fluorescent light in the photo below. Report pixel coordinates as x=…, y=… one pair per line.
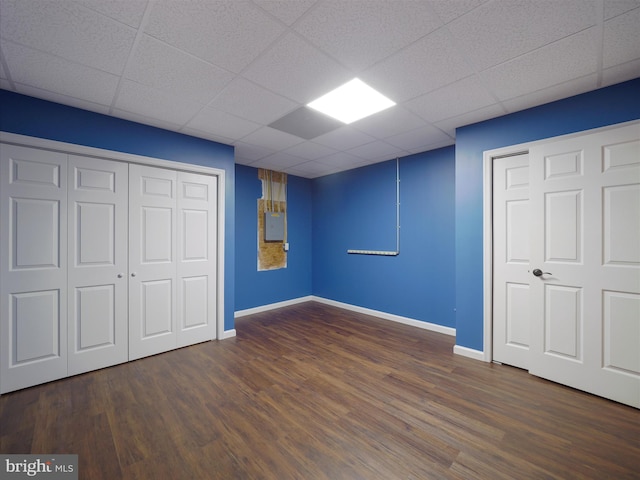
x=352, y=101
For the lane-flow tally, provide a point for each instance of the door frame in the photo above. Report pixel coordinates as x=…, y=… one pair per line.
x=70, y=148
x=487, y=223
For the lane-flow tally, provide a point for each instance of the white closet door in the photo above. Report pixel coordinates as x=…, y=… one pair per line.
x=196, y=274
x=511, y=277
x=152, y=260
x=98, y=201
x=585, y=231
x=33, y=266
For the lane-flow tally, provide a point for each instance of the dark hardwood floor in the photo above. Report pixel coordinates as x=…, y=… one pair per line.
x=315, y=392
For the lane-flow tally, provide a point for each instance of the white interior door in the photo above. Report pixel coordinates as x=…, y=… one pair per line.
x=511, y=275
x=33, y=266
x=585, y=231
x=98, y=244
x=196, y=265
x=152, y=260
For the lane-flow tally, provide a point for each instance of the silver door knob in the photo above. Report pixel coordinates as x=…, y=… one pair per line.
x=538, y=273
x=119, y=275
x=133, y=274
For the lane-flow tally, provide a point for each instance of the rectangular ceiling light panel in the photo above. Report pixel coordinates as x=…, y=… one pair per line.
x=352, y=101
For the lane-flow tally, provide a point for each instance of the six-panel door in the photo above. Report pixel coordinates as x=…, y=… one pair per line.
x=511, y=271
x=585, y=232
x=98, y=211
x=33, y=265
x=196, y=267
x=172, y=259
x=152, y=260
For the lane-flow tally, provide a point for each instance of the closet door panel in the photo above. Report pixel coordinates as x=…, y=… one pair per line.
x=196, y=266
x=152, y=260
x=98, y=211
x=33, y=266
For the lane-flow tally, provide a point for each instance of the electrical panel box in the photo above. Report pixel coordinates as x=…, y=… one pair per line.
x=274, y=227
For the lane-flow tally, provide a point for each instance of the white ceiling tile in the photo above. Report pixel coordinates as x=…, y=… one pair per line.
x=310, y=150
x=279, y=161
x=269, y=163
x=449, y=125
x=342, y=160
x=272, y=138
x=565, y=60
x=209, y=136
x=296, y=70
x=248, y=100
x=68, y=30
x=449, y=10
x=389, y=122
x=344, y=138
x=376, y=151
x=621, y=73
x=225, y=69
x=358, y=41
x=57, y=75
x=217, y=122
x=63, y=99
x=3, y=74
x=155, y=104
x=311, y=170
x=285, y=10
x=129, y=12
x=432, y=146
x=453, y=100
x=250, y=152
x=227, y=33
x=551, y=94
x=258, y=164
x=430, y=63
x=308, y=170
x=500, y=30
x=135, y=117
x=622, y=39
x=160, y=66
x=419, y=138
x=613, y=8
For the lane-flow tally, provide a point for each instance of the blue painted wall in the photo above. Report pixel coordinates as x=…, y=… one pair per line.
x=615, y=104
x=440, y=264
x=356, y=209
x=254, y=288
x=38, y=118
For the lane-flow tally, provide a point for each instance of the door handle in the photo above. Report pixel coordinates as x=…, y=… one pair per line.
x=133, y=274
x=538, y=273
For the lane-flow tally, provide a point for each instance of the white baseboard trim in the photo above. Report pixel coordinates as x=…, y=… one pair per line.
x=388, y=316
x=272, y=306
x=469, y=353
x=228, y=334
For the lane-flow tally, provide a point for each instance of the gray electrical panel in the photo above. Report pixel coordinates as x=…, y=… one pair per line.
x=274, y=226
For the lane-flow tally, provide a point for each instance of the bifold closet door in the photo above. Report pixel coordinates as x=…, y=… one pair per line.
x=33, y=266
x=172, y=259
x=197, y=248
x=152, y=260
x=98, y=244
x=101, y=262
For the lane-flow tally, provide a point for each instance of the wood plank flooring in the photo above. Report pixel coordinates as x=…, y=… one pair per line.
x=316, y=392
